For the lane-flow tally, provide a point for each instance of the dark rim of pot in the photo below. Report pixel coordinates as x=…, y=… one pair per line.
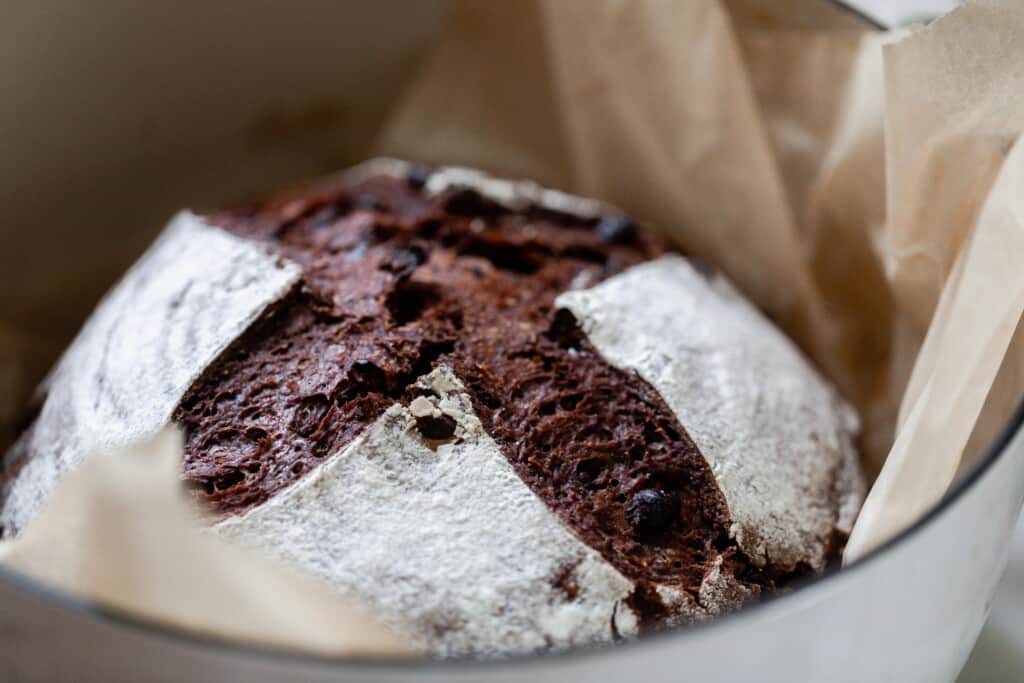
x=354, y=664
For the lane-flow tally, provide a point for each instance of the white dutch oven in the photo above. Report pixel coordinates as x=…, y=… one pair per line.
x=113, y=119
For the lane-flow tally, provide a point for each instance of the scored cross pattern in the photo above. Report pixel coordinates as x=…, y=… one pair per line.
x=398, y=281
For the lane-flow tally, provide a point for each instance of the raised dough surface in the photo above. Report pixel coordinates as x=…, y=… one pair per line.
x=777, y=437
x=449, y=543
x=193, y=292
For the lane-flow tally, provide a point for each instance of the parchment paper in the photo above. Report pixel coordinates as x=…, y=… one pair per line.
x=120, y=531
x=861, y=187
x=833, y=178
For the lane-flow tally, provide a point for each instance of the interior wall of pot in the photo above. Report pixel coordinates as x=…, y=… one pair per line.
x=115, y=119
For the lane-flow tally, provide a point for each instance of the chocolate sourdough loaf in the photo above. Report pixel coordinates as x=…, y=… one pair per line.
x=503, y=417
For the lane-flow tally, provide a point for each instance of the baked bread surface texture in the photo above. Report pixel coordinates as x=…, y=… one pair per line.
x=505, y=418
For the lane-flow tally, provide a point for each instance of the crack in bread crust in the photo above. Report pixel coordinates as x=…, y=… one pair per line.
x=401, y=276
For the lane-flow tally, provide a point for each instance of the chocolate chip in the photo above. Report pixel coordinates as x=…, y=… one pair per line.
x=565, y=330
x=465, y=201
x=368, y=376
x=617, y=230
x=437, y=428
x=418, y=176
x=702, y=267
x=651, y=511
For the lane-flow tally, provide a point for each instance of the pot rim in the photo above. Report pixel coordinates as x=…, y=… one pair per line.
x=122, y=618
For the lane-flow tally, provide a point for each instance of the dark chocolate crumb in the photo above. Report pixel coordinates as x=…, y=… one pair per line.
x=228, y=480
x=565, y=330
x=309, y=413
x=456, y=279
x=565, y=581
x=437, y=428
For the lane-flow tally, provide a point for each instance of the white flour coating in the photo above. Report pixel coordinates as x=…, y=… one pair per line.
x=516, y=195
x=193, y=292
x=777, y=436
x=721, y=591
x=448, y=546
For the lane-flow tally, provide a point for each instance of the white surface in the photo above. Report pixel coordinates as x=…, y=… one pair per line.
x=189, y=296
x=999, y=654
x=460, y=554
x=739, y=388
x=896, y=12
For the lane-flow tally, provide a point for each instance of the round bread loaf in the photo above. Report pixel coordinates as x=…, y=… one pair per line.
x=503, y=417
